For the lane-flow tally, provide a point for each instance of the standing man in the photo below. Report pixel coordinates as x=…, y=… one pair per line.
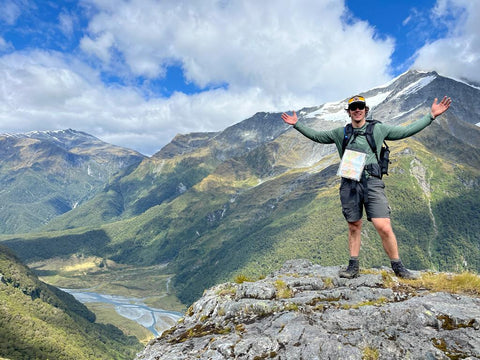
x=367, y=190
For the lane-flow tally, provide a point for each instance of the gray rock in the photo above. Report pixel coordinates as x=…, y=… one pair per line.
x=321, y=316
x=256, y=290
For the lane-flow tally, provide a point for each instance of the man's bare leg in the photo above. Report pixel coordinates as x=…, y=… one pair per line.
x=389, y=242
x=354, y=242
x=354, y=237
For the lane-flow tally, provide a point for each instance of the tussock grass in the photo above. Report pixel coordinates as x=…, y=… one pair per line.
x=369, y=353
x=241, y=278
x=463, y=283
x=283, y=291
x=87, y=265
x=378, y=302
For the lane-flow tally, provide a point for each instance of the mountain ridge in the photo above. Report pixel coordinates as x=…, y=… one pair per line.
x=246, y=199
x=45, y=174
x=212, y=207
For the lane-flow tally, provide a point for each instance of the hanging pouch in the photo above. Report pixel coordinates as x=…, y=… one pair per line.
x=352, y=165
x=384, y=159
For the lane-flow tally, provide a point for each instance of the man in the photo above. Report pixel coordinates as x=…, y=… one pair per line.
x=367, y=190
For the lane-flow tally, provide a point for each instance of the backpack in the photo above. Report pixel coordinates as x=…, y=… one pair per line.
x=384, y=160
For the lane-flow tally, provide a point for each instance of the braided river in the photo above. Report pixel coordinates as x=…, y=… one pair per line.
x=155, y=320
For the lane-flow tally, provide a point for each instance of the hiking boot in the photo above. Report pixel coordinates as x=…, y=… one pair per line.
x=401, y=271
x=351, y=271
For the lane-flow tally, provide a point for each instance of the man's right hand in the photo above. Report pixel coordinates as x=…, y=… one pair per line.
x=441, y=107
x=290, y=119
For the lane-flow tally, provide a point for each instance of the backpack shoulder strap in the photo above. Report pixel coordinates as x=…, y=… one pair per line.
x=369, y=135
x=347, y=134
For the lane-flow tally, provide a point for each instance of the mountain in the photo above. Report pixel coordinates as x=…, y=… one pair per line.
x=45, y=174
x=168, y=174
x=305, y=311
x=246, y=199
x=39, y=321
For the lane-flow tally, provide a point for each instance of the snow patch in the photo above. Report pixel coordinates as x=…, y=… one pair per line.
x=417, y=85
x=406, y=112
x=398, y=77
x=335, y=111
x=332, y=111
x=464, y=82
x=249, y=135
x=377, y=99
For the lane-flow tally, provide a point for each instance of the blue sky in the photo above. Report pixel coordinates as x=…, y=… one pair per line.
x=135, y=73
x=406, y=21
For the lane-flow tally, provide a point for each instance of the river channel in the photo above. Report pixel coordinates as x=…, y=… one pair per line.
x=155, y=320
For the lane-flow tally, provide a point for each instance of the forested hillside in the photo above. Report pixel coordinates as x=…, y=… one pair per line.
x=39, y=321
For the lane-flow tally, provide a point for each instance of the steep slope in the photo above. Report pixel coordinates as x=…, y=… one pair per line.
x=245, y=200
x=45, y=174
x=298, y=215
x=38, y=321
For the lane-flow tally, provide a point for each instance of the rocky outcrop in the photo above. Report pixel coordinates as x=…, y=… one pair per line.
x=305, y=311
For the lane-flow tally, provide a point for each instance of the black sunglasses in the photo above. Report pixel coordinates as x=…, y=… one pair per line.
x=356, y=105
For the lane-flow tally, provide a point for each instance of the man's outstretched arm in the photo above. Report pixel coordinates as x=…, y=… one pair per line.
x=402, y=132
x=324, y=137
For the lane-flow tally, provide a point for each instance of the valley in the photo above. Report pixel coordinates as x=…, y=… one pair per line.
x=133, y=309
x=137, y=300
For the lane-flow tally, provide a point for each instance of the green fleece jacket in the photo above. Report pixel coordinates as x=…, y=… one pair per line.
x=380, y=132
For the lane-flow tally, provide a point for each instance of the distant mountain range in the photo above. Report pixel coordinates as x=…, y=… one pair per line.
x=46, y=174
x=248, y=198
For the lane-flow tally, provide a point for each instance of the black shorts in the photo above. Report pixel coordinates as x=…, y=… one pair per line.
x=355, y=197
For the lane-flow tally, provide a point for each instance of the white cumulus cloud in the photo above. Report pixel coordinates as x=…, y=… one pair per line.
x=10, y=11
x=458, y=53
x=280, y=46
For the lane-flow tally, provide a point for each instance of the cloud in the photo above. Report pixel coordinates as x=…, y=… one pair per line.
x=48, y=90
x=303, y=47
x=100, y=46
x=271, y=55
x=66, y=24
x=10, y=12
x=457, y=54
x=4, y=45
